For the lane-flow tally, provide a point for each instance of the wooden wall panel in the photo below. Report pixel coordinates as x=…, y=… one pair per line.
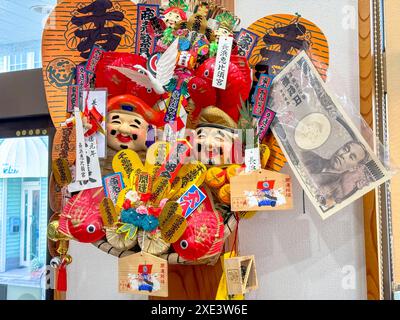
x=366, y=106
x=193, y=282
x=228, y=4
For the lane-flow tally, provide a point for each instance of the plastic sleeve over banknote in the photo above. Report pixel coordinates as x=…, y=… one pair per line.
x=326, y=151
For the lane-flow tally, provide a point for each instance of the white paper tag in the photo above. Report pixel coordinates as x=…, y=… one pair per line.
x=252, y=160
x=170, y=134
x=222, y=62
x=98, y=99
x=94, y=180
x=184, y=116
x=81, y=171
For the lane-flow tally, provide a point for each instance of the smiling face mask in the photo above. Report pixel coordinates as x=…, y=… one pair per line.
x=126, y=131
x=214, y=146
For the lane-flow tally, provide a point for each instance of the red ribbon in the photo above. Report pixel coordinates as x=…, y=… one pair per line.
x=95, y=119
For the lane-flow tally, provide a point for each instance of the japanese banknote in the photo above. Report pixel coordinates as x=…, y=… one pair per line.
x=328, y=155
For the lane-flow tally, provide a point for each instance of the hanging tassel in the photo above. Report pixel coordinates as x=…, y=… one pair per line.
x=61, y=284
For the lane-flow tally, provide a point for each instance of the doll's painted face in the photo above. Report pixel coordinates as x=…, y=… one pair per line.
x=214, y=146
x=222, y=32
x=126, y=131
x=172, y=18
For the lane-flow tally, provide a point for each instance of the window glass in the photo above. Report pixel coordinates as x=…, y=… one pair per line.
x=21, y=27
x=23, y=218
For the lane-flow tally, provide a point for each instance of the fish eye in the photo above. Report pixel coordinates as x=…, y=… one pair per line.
x=207, y=73
x=184, y=244
x=194, y=86
x=149, y=90
x=91, y=228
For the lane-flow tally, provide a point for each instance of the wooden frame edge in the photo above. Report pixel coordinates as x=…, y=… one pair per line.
x=392, y=51
x=366, y=108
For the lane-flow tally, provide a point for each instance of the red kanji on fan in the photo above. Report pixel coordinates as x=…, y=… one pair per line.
x=190, y=200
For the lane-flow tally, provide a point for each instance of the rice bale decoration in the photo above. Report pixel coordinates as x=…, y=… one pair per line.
x=153, y=243
x=233, y=170
x=119, y=240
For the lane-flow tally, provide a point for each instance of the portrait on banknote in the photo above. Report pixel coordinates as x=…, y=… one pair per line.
x=326, y=151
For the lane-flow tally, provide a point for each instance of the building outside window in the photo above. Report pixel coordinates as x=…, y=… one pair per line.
x=20, y=35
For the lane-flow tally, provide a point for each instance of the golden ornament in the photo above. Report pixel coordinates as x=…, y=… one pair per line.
x=224, y=194
x=215, y=177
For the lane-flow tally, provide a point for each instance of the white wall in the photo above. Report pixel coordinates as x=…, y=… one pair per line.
x=93, y=275
x=298, y=255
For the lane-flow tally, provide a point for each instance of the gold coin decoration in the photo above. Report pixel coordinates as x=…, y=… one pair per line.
x=61, y=171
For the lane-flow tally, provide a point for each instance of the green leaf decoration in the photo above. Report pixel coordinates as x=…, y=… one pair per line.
x=181, y=4
x=129, y=229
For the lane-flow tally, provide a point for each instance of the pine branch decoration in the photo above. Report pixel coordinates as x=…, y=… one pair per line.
x=246, y=123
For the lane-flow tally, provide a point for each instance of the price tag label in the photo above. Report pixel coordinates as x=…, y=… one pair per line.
x=113, y=184
x=94, y=58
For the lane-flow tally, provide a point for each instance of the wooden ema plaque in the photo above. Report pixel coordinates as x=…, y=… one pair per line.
x=241, y=275
x=261, y=190
x=144, y=274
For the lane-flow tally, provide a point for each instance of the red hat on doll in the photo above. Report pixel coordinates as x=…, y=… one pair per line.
x=179, y=11
x=131, y=104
